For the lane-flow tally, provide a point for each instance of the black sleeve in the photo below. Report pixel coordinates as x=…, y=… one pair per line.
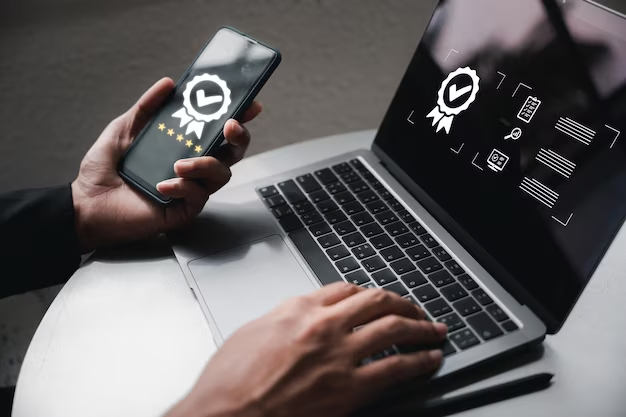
x=38, y=244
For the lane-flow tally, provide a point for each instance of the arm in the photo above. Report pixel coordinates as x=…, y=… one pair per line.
x=38, y=243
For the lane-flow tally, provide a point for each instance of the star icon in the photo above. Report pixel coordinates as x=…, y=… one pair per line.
x=170, y=132
x=179, y=138
x=198, y=149
x=161, y=127
x=188, y=144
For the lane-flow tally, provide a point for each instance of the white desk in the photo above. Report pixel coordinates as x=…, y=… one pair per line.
x=125, y=336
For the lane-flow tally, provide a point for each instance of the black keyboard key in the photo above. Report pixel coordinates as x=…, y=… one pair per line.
x=384, y=277
x=381, y=242
x=414, y=279
x=384, y=194
x=325, y=176
x=282, y=211
x=371, y=230
x=454, y=267
x=349, y=177
x=395, y=204
x=367, y=196
x=308, y=183
x=353, y=208
x=484, y=326
x=320, y=229
x=417, y=228
x=361, y=219
x=369, y=285
x=397, y=288
x=329, y=240
x=373, y=264
x=335, y=188
x=347, y=265
x=441, y=254
x=386, y=217
x=407, y=240
x=429, y=265
x=447, y=349
x=466, y=306
x=337, y=253
x=375, y=184
x=418, y=252
x=464, y=339
x=342, y=168
x=315, y=257
x=377, y=207
x=354, y=239
x=290, y=223
x=429, y=241
x=311, y=218
x=291, y=191
x=453, y=292
x=497, y=313
x=303, y=207
x=327, y=206
x=358, y=186
x=425, y=293
x=468, y=282
x=510, y=326
x=344, y=198
x=268, y=191
x=403, y=266
x=358, y=165
x=392, y=254
x=396, y=229
x=319, y=196
x=441, y=278
x=406, y=216
x=336, y=216
x=438, y=307
x=482, y=297
x=363, y=251
x=453, y=321
x=357, y=277
x=274, y=200
x=344, y=228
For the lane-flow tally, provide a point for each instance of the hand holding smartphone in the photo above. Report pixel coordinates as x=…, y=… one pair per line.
x=220, y=85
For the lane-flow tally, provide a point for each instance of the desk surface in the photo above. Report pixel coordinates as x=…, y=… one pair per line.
x=126, y=337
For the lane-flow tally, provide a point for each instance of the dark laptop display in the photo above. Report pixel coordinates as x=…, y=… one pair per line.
x=516, y=128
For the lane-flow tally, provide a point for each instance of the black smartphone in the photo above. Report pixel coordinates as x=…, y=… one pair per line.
x=221, y=84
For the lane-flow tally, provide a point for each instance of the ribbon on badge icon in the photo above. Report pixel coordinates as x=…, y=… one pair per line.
x=442, y=113
x=189, y=116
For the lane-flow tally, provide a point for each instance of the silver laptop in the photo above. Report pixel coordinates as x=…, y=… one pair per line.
x=494, y=186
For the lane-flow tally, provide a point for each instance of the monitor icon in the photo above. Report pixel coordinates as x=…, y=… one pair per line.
x=497, y=160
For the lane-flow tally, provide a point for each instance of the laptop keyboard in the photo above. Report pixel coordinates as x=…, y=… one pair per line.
x=348, y=226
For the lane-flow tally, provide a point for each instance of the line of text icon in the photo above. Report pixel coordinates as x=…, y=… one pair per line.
x=556, y=162
x=575, y=130
x=539, y=191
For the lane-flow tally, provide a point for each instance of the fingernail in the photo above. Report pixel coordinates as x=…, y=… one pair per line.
x=238, y=128
x=169, y=182
x=184, y=165
x=435, y=355
x=441, y=329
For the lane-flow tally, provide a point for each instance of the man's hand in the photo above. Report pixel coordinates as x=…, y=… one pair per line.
x=108, y=211
x=302, y=359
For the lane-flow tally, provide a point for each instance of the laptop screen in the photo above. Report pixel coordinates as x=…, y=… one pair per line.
x=512, y=119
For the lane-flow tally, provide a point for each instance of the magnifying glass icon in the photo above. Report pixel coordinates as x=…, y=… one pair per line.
x=515, y=134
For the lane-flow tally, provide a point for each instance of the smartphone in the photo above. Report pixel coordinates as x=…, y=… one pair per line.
x=220, y=84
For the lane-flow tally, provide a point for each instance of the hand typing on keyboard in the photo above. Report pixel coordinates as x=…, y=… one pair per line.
x=304, y=358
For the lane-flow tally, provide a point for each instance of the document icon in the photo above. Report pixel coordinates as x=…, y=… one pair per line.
x=529, y=109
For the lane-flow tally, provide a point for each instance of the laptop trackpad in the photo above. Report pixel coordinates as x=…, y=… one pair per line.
x=241, y=284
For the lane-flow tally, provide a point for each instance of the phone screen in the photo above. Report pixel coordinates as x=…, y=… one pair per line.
x=214, y=89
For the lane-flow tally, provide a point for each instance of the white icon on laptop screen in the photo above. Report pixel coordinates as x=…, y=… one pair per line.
x=497, y=160
x=514, y=135
x=529, y=109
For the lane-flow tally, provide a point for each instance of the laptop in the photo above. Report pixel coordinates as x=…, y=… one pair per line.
x=494, y=186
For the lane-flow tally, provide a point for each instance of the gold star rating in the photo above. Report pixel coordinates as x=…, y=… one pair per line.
x=188, y=144
x=170, y=132
x=179, y=138
x=161, y=127
x=198, y=149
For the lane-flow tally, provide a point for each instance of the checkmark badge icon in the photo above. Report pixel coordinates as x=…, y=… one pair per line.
x=456, y=94
x=204, y=101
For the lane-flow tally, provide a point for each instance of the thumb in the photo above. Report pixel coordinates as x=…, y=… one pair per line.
x=149, y=103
